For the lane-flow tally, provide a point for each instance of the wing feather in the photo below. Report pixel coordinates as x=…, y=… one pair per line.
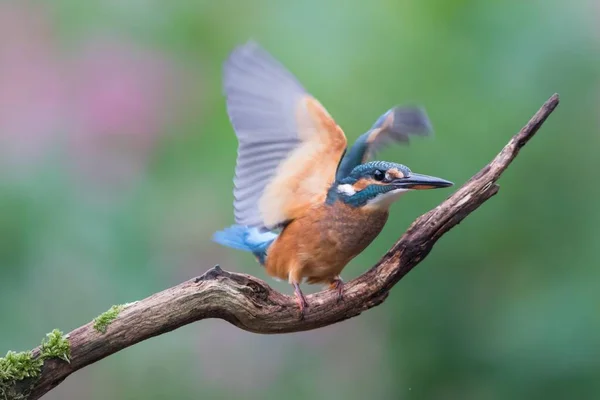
x=397, y=125
x=281, y=129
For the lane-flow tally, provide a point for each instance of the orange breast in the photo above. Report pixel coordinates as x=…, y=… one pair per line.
x=320, y=244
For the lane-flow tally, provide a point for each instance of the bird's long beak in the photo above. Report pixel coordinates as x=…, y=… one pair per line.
x=418, y=181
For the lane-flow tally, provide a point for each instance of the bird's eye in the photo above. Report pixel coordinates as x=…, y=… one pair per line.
x=378, y=175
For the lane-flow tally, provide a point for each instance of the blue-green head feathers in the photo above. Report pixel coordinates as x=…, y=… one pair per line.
x=374, y=170
x=380, y=183
x=367, y=181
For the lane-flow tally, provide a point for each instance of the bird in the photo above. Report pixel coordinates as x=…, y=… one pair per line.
x=304, y=204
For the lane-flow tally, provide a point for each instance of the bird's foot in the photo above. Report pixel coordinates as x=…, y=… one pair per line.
x=302, y=303
x=338, y=284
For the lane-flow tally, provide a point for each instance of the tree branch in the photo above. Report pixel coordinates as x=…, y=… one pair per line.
x=250, y=304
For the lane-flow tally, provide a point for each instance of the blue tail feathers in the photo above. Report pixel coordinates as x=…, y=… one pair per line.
x=246, y=238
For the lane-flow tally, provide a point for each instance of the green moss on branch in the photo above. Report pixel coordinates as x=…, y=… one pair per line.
x=102, y=321
x=56, y=345
x=16, y=367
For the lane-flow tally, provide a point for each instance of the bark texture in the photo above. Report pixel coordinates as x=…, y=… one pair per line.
x=250, y=304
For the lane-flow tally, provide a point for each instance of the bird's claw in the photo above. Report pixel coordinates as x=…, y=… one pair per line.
x=302, y=303
x=338, y=285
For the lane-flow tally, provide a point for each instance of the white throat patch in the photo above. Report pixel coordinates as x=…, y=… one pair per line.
x=384, y=200
x=346, y=189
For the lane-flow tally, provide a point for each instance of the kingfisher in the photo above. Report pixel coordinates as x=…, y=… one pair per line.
x=305, y=205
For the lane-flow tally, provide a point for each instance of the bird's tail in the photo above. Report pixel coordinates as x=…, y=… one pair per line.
x=246, y=238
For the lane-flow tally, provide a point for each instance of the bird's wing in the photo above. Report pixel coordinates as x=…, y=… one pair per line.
x=289, y=145
x=396, y=125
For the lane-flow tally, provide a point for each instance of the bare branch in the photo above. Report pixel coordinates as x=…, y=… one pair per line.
x=250, y=304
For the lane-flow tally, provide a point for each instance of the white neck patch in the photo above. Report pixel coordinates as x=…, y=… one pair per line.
x=346, y=189
x=384, y=200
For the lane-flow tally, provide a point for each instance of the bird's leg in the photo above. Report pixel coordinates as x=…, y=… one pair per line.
x=301, y=299
x=338, y=284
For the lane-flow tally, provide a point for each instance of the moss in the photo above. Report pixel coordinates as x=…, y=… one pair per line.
x=102, y=321
x=16, y=367
x=56, y=345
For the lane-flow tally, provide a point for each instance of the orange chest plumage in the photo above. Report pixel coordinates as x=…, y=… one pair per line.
x=318, y=245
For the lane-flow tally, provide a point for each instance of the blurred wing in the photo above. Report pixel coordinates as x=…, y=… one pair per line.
x=396, y=125
x=289, y=146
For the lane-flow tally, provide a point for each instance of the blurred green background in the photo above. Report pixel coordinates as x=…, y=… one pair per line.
x=116, y=165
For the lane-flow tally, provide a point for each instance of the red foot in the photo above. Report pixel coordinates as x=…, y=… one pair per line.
x=302, y=303
x=338, y=284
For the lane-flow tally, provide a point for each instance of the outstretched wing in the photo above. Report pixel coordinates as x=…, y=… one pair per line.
x=396, y=125
x=289, y=146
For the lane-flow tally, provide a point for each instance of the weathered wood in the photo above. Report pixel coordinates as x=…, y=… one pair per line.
x=250, y=304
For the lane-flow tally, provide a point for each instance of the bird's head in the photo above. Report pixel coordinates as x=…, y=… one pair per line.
x=378, y=184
